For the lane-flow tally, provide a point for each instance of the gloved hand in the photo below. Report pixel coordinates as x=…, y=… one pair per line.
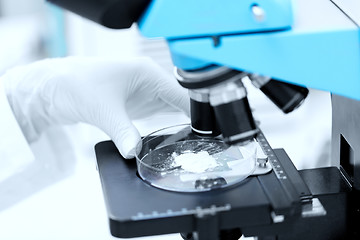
x=102, y=92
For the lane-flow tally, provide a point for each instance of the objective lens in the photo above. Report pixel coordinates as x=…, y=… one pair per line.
x=285, y=96
x=233, y=112
x=219, y=101
x=203, y=120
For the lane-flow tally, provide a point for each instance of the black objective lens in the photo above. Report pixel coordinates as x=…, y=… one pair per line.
x=284, y=95
x=236, y=121
x=203, y=118
x=233, y=112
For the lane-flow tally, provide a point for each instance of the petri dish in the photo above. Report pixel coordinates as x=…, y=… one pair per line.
x=176, y=159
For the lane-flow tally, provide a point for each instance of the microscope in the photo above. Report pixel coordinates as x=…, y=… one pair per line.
x=281, y=46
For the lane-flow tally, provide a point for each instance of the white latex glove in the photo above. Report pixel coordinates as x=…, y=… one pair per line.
x=102, y=92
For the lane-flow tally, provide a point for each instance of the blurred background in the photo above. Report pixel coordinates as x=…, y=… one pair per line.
x=59, y=196
x=62, y=198
x=34, y=29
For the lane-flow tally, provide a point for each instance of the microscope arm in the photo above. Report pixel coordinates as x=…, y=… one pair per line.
x=321, y=50
x=304, y=42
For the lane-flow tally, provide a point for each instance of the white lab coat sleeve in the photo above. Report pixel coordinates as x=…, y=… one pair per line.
x=15, y=152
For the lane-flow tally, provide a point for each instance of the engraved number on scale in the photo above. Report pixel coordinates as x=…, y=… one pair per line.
x=279, y=171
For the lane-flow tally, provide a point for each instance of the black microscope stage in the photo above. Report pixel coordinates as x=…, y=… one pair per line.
x=277, y=205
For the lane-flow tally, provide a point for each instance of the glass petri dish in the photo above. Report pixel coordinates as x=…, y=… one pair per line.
x=176, y=159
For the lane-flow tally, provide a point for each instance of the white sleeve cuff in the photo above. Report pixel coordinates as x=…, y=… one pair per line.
x=15, y=152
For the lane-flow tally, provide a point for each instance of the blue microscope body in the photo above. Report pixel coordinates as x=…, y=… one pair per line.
x=310, y=43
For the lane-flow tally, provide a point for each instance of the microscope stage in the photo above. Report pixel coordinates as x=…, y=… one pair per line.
x=137, y=209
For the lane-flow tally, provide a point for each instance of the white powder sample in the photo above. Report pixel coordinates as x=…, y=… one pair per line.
x=194, y=162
